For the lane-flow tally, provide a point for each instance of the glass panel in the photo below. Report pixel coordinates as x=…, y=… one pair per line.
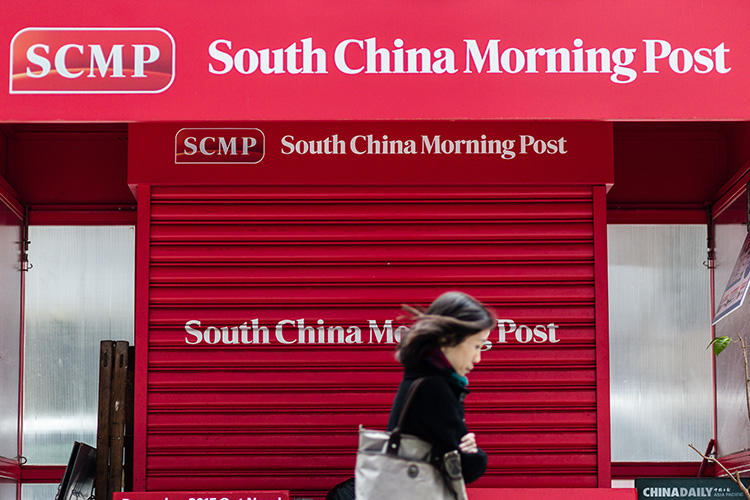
x=8, y=490
x=659, y=317
x=38, y=491
x=80, y=291
x=10, y=331
x=733, y=434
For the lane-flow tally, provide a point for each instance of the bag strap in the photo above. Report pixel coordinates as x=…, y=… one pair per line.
x=394, y=441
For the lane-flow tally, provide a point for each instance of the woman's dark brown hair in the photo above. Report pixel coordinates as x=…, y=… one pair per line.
x=451, y=318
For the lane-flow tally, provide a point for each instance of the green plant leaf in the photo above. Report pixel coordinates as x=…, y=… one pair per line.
x=719, y=343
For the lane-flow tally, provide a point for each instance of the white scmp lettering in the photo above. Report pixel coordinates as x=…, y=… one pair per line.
x=542, y=146
x=552, y=331
x=339, y=57
x=622, y=58
x=225, y=147
x=540, y=334
x=445, y=62
x=306, y=334
x=353, y=144
x=651, y=55
x=60, y=66
x=682, y=60
x=114, y=58
x=190, y=146
x=719, y=51
x=258, y=331
x=474, y=56
x=252, y=332
x=401, y=330
x=140, y=59
x=212, y=335
x=191, y=331
x=280, y=331
x=511, y=327
x=247, y=143
x=225, y=339
x=524, y=334
x=354, y=335
x=270, y=61
x=243, y=334
x=202, y=146
x=387, y=331
x=246, y=61
x=307, y=58
x=287, y=147
x=222, y=57
x=39, y=60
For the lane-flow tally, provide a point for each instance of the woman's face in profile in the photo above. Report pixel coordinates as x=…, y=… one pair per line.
x=468, y=353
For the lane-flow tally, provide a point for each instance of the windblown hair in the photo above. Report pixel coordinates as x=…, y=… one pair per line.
x=451, y=318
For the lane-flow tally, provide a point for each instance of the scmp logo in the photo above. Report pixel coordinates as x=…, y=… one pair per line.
x=91, y=61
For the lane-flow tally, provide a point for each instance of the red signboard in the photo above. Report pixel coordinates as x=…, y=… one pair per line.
x=91, y=61
x=474, y=494
x=204, y=495
x=443, y=153
x=334, y=60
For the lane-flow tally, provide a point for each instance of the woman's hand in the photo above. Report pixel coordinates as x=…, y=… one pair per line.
x=468, y=443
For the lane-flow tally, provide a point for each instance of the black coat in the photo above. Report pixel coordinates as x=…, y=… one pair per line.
x=436, y=415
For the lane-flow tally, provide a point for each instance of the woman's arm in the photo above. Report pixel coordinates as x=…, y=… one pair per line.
x=437, y=416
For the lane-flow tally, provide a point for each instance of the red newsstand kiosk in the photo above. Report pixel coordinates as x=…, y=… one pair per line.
x=303, y=169
x=272, y=259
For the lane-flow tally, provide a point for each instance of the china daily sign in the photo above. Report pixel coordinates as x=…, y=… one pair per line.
x=687, y=488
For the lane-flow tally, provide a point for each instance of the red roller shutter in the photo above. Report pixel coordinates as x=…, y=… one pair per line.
x=273, y=415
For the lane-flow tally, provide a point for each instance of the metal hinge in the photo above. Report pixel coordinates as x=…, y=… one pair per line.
x=710, y=242
x=25, y=263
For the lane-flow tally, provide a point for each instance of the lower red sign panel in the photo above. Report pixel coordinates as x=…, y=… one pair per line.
x=203, y=495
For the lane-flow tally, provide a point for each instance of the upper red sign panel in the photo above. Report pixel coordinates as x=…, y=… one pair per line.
x=91, y=61
x=338, y=60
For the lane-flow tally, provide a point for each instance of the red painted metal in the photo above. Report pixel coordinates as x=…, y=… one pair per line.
x=712, y=333
x=205, y=495
x=580, y=92
x=273, y=415
x=556, y=493
x=731, y=190
x=9, y=197
x=42, y=473
x=11, y=309
x=153, y=150
x=142, y=275
x=79, y=165
x=9, y=470
x=692, y=215
x=21, y=350
x=669, y=164
x=736, y=463
x=632, y=470
x=72, y=215
x=602, y=337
